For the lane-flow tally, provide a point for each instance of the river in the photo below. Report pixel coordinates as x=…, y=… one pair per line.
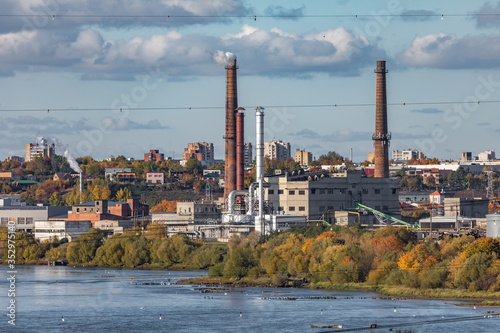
x=110, y=300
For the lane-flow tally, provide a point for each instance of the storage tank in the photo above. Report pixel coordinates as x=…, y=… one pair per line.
x=493, y=225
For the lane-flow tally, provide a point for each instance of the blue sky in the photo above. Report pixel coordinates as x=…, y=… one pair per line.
x=79, y=61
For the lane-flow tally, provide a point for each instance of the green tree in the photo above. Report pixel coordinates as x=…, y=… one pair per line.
x=56, y=199
x=123, y=194
x=83, y=249
x=193, y=166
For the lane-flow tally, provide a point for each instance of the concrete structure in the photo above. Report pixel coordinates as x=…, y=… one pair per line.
x=447, y=222
x=25, y=216
x=277, y=150
x=414, y=197
x=314, y=194
x=381, y=137
x=406, y=155
x=466, y=156
x=114, y=227
x=248, y=150
x=203, y=151
x=493, y=225
x=42, y=148
x=191, y=218
x=284, y=222
x=52, y=230
x=303, y=157
x=487, y=155
x=110, y=173
x=465, y=207
x=7, y=200
x=155, y=178
x=154, y=155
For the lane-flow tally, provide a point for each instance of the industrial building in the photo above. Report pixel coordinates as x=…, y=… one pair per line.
x=52, y=230
x=315, y=194
x=406, y=155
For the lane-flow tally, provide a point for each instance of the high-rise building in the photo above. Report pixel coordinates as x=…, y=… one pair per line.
x=303, y=157
x=406, y=155
x=248, y=154
x=277, y=150
x=154, y=155
x=41, y=148
x=203, y=151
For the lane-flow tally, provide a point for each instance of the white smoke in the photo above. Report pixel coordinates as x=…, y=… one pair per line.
x=223, y=58
x=69, y=157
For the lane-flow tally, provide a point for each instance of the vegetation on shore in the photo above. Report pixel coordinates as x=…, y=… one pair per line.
x=389, y=261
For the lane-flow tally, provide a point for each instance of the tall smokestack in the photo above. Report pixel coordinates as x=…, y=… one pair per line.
x=240, y=150
x=259, y=138
x=231, y=105
x=381, y=137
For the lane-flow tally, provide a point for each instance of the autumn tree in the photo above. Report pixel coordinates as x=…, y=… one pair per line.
x=165, y=206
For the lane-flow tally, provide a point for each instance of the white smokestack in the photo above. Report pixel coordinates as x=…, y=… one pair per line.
x=259, y=132
x=223, y=58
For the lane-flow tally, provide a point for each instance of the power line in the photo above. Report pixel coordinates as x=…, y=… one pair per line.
x=177, y=108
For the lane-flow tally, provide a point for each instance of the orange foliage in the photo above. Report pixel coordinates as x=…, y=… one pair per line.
x=382, y=246
x=417, y=259
x=346, y=259
x=327, y=234
x=165, y=206
x=308, y=242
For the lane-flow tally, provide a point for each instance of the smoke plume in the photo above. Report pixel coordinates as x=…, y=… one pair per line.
x=223, y=58
x=69, y=157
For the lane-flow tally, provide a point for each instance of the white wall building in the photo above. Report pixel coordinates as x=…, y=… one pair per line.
x=60, y=229
x=277, y=150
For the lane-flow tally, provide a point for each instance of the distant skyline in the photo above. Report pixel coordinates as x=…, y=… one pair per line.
x=153, y=60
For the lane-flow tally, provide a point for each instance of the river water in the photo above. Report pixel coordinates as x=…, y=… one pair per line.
x=98, y=300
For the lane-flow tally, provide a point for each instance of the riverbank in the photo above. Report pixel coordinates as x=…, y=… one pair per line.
x=466, y=297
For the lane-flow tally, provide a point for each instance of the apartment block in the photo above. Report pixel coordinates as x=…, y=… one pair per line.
x=203, y=151
x=42, y=148
x=277, y=150
x=303, y=157
x=155, y=178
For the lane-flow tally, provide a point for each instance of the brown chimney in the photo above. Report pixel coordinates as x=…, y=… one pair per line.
x=240, y=150
x=230, y=154
x=381, y=137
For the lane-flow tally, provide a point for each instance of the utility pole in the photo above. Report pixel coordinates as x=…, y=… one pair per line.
x=430, y=219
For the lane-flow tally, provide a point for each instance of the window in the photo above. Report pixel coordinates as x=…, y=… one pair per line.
x=394, y=190
x=281, y=208
x=291, y=192
x=377, y=207
x=270, y=191
x=385, y=208
x=330, y=191
x=342, y=191
x=291, y=209
x=377, y=191
x=329, y=207
x=365, y=191
x=280, y=191
x=302, y=209
x=313, y=191
x=29, y=220
x=321, y=191
x=78, y=210
x=302, y=192
x=4, y=221
x=321, y=208
x=21, y=220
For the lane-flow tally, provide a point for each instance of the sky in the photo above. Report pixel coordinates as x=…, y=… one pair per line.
x=122, y=77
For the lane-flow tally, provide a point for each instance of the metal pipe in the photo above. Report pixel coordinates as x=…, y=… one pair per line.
x=240, y=149
x=231, y=199
x=259, y=118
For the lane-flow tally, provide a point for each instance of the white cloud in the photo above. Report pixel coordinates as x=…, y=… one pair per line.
x=447, y=51
x=261, y=52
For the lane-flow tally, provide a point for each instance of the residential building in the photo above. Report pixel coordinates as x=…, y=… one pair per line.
x=370, y=157
x=203, y=151
x=303, y=157
x=14, y=158
x=61, y=176
x=467, y=207
x=436, y=198
x=41, y=148
x=154, y=155
x=466, y=156
x=314, y=194
x=110, y=173
x=248, y=154
x=277, y=150
x=406, y=155
x=125, y=177
x=59, y=229
x=155, y=178
x=487, y=155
